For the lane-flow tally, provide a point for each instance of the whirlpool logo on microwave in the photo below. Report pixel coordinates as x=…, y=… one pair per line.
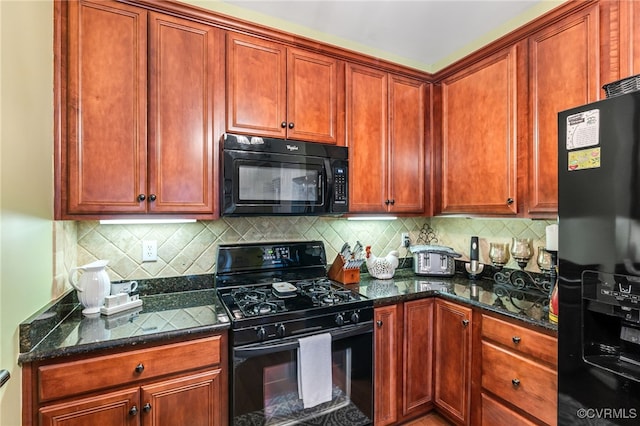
x=292, y=147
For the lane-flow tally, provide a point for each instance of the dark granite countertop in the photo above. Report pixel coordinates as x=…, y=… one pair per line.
x=168, y=311
x=523, y=303
x=188, y=306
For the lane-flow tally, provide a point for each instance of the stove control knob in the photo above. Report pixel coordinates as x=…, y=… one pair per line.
x=281, y=330
x=355, y=318
x=261, y=333
x=339, y=319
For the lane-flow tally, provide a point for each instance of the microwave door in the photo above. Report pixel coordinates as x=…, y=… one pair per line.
x=273, y=184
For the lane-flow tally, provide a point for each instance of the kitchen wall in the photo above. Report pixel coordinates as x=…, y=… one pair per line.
x=190, y=248
x=26, y=178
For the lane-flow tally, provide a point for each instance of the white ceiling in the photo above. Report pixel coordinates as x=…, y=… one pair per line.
x=424, y=34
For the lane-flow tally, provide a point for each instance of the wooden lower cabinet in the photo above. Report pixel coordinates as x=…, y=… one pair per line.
x=184, y=400
x=385, y=364
x=111, y=409
x=519, y=374
x=403, y=361
x=495, y=413
x=174, y=384
x=453, y=357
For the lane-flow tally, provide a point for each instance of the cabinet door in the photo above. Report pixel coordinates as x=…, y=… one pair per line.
x=479, y=138
x=386, y=365
x=406, y=145
x=629, y=38
x=495, y=413
x=367, y=131
x=563, y=69
x=452, y=371
x=106, y=107
x=256, y=86
x=194, y=400
x=312, y=97
x=112, y=409
x=182, y=64
x=417, y=356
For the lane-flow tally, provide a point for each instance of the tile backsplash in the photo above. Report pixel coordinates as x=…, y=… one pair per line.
x=190, y=248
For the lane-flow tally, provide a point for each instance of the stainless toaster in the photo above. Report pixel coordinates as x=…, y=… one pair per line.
x=431, y=260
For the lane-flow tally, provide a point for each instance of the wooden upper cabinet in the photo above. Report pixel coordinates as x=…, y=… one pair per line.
x=282, y=92
x=256, y=86
x=367, y=121
x=479, y=137
x=107, y=108
x=182, y=65
x=313, y=88
x=627, y=23
x=563, y=73
x=406, y=145
x=386, y=139
x=130, y=70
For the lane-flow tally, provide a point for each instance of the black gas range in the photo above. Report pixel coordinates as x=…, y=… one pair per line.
x=277, y=290
x=280, y=301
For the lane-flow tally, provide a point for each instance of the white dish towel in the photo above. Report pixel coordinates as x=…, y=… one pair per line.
x=314, y=369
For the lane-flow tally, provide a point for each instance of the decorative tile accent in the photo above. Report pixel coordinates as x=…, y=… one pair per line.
x=190, y=248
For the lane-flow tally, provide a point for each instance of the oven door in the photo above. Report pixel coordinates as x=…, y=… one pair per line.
x=265, y=183
x=265, y=383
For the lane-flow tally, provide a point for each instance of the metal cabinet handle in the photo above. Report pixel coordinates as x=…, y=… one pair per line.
x=515, y=382
x=142, y=197
x=152, y=197
x=4, y=377
x=133, y=411
x=146, y=408
x=283, y=124
x=509, y=201
x=393, y=202
x=379, y=323
x=387, y=202
x=139, y=368
x=291, y=125
x=465, y=322
x=516, y=339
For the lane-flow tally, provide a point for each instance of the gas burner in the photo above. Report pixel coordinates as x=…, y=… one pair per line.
x=249, y=295
x=331, y=299
x=315, y=289
x=265, y=308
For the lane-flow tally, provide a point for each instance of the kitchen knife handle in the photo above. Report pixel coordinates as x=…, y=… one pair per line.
x=474, y=250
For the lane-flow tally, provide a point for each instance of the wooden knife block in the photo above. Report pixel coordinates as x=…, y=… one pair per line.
x=337, y=272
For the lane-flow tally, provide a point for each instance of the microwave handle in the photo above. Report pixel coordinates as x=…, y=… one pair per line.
x=291, y=344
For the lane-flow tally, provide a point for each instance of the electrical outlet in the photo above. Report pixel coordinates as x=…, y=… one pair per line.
x=149, y=251
x=405, y=242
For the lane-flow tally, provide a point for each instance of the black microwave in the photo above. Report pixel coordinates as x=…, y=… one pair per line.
x=266, y=176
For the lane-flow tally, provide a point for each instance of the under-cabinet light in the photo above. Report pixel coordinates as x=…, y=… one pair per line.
x=143, y=221
x=372, y=218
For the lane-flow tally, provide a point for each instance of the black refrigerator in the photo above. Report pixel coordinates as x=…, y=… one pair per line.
x=599, y=263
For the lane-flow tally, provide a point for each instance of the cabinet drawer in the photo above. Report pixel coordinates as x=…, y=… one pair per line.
x=76, y=377
x=521, y=339
x=520, y=381
x=494, y=413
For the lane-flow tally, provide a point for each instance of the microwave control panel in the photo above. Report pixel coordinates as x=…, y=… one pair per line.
x=340, y=174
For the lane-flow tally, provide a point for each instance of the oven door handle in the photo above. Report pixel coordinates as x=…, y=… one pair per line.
x=291, y=344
